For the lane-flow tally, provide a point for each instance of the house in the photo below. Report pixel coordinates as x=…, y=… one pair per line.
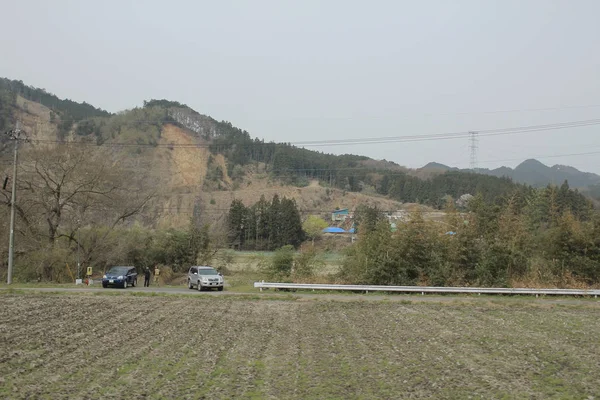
x=340, y=215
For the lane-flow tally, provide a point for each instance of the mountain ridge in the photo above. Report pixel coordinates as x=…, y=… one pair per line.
x=531, y=172
x=200, y=162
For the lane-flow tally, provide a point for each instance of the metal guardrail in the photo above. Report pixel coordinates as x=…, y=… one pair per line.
x=427, y=289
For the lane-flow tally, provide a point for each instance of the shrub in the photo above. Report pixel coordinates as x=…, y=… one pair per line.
x=281, y=264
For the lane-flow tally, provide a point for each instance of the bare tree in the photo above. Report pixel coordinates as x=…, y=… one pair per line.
x=65, y=187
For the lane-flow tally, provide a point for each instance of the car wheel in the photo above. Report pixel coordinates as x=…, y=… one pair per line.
x=190, y=286
x=125, y=284
x=133, y=283
x=200, y=288
x=220, y=288
x=104, y=285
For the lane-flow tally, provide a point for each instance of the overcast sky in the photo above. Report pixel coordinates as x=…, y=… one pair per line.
x=291, y=71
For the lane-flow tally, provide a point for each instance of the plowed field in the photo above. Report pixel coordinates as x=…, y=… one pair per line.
x=106, y=347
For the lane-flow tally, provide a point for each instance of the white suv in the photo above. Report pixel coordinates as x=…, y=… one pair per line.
x=204, y=277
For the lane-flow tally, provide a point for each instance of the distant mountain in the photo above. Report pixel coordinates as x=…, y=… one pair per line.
x=531, y=172
x=437, y=166
x=535, y=173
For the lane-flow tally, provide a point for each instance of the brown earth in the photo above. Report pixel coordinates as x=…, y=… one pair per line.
x=312, y=199
x=35, y=120
x=130, y=347
x=178, y=175
x=183, y=171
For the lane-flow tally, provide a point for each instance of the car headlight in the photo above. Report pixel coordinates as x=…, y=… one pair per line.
x=103, y=276
x=204, y=279
x=120, y=277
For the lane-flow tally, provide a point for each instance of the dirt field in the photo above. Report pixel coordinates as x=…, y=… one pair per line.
x=123, y=346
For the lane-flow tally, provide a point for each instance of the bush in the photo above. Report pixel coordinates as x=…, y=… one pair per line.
x=306, y=263
x=281, y=264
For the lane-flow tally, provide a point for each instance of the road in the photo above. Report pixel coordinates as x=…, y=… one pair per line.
x=174, y=290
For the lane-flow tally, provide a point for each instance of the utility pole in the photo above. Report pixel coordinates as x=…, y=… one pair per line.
x=15, y=135
x=78, y=240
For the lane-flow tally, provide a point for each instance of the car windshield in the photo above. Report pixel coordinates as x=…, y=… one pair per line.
x=118, y=271
x=207, y=271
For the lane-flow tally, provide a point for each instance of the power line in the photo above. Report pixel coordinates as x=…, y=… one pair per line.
x=368, y=169
x=348, y=142
x=506, y=111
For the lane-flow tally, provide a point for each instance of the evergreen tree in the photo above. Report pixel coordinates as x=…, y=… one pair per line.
x=291, y=223
x=237, y=218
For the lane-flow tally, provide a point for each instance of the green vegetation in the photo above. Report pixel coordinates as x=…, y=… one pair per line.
x=7, y=101
x=265, y=225
x=295, y=165
x=514, y=234
x=68, y=111
x=548, y=238
x=100, y=249
x=313, y=226
x=141, y=126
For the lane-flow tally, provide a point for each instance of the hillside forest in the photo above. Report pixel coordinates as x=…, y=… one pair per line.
x=79, y=200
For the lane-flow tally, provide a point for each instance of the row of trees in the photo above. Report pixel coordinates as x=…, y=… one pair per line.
x=265, y=225
x=530, y=240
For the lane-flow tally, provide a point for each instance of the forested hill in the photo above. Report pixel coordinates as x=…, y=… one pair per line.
x=530, y=172
x=285, y=163
x=69, y=110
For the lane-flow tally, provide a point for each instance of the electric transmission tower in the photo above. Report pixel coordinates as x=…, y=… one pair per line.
x=473, y=146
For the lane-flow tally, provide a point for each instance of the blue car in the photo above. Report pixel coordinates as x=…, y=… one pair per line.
x=120, y=277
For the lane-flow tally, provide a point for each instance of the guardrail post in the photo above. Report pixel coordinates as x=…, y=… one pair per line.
x=261, y=286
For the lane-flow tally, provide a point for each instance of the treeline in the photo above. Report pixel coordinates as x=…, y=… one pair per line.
x=265, y=225
x=65, y=112
x=406, y=188
x=296, y=166
x=545, y=238
x=290, y=164
x=101, y=249
x=137, y=126
x=163, y=103
x=68, y=108
x=7, y=102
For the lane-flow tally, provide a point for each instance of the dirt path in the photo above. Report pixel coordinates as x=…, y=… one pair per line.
x=339, y=297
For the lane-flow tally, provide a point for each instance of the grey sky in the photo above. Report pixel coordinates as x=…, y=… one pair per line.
x=291, y=71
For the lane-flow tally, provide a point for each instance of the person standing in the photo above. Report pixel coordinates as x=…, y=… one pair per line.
x=156, y=274
x=147, y=277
